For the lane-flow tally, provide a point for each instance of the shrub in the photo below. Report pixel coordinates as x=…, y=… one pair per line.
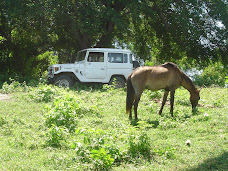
x=97, y=147
x=14, y=86
x=63, y=112
x=214, y=74
x=153, y=94
x=101, y=159
x=56, y=135
x=139, y=142
x=42, y=93
x=139, y=146
x=35, y=67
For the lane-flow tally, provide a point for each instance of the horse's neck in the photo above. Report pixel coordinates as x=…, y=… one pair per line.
x=188, y=84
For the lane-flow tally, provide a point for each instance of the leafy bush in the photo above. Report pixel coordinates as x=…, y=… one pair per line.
x=139, y=142
x=97, y=147
x=35, y=67
x=14, y=86
x=214, y=74
x=153, y=94
x=63, y=112
x=43, y=93
x=139, y=146
x=102, y=160
x=56, y=135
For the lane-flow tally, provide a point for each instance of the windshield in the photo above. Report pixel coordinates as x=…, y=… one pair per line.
x=80, y=56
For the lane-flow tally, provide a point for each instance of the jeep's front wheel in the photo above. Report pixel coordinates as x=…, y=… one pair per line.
x=118, y=82
x=63, y=81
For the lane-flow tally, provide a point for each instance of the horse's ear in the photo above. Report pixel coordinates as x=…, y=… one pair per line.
x=200, y=89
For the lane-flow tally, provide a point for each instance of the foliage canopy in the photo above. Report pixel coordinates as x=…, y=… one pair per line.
x=168, y=30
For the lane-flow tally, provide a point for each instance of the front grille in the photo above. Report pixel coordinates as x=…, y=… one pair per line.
x=51, y=72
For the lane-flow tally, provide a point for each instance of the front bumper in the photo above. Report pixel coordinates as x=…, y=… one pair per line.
x=50, y=80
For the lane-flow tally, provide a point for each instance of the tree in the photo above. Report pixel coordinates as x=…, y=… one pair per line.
x=176, y=28
x=24, y=30
x=166, y=29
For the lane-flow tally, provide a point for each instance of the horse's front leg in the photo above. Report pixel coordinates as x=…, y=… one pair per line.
x=130, y=115
x=164, y=101
x=171, y=101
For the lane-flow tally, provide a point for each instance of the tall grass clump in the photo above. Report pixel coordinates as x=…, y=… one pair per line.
x=62, y=117
x=63, y=111
x=139, y=142
x=43, y=93
x=13, y=86
x=97, y=147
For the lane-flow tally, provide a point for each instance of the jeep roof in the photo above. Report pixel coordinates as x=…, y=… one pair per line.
x=107, y=50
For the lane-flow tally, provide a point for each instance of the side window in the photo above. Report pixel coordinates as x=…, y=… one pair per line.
x=95, y=57
x=115, y=57
x=125, y=58
x=130, y=58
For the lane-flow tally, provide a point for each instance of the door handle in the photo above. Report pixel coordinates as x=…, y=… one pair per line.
x=102, y=69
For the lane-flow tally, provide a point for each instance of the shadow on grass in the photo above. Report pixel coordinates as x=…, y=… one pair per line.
x=217, y=163
x=154, y=124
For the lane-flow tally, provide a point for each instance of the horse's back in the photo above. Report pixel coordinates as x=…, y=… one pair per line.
x=156, y=77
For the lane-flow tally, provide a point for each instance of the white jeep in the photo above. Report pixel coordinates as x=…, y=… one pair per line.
x=100, y=65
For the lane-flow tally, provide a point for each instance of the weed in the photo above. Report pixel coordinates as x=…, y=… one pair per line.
x=63, y=112
x=153, y=94
x=168, y=152
x=56, y=135
x=2, y=121
x=139, y=145
x=14, y=86
x=43, y=93
x=86, y=129
x=101, y=159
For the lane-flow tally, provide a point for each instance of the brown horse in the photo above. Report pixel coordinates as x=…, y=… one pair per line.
x=167, y=76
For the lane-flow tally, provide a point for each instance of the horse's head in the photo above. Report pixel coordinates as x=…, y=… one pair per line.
x=194, y=98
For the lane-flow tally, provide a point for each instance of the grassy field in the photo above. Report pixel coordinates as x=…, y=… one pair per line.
x=86, y=128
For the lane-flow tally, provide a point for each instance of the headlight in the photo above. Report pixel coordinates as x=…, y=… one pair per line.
x=56, y=69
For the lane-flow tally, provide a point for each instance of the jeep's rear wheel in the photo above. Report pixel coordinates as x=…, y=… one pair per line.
x=118, y=82
x=63, y=81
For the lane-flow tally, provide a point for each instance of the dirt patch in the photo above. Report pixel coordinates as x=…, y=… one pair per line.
x=5, y=97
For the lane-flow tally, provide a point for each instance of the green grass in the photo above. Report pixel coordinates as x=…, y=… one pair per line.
x=86, y=128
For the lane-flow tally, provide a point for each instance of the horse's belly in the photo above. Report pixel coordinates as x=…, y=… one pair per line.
x=155, y=86
x=158, y=84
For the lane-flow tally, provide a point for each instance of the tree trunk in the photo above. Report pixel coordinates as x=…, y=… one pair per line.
x=107, y=37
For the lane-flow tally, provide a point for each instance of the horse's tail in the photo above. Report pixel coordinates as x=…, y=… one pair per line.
x=130, y=94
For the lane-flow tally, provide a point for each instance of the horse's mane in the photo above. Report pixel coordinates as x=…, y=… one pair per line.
x=183, y=75
x=169, y=64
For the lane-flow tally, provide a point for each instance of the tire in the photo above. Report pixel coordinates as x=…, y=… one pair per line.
x=63, y=81
x=118, y=82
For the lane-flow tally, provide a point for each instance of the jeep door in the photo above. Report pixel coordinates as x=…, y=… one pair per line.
x=119, y=64
x=95, y=66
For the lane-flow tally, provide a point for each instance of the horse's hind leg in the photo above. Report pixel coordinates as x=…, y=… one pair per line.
x=164, y=101
x=131, y=102
x=171, y=101
x=137, y=99
x=130, y=99
x=136, y=107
